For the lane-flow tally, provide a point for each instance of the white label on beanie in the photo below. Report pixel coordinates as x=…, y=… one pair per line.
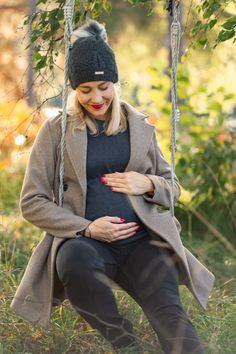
x=99, y=72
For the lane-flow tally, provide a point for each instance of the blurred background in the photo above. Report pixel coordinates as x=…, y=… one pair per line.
x=31, y=76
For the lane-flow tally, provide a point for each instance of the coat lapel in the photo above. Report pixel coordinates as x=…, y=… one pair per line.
x=140, y=140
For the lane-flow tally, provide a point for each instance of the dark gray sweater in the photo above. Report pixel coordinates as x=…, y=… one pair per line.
x=108, y=154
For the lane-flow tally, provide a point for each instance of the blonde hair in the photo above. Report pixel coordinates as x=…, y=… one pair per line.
x=79, y=118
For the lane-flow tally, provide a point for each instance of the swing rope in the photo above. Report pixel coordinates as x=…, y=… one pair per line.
x=68, y=13
x=173, y=8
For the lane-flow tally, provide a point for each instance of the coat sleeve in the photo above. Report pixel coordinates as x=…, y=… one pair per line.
x=37, y=200
x=161, y=179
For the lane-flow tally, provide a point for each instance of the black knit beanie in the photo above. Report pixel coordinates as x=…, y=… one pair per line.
x=91, y=58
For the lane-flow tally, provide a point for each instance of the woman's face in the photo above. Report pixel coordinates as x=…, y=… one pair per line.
x=96, y=97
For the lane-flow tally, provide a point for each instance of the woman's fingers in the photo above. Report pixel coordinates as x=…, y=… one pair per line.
x=114, y=228
x=125, y=236
x=114, y=219
x=125, y=226
x=126, y=231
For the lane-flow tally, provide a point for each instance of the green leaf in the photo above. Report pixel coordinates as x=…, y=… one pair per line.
x=47, y=35
x=35, y=35
x=229, y=96
x=36, y=56
x=41, y=63
x=230, y=24
x=212, y=23
x=202, y=41
x=201, y=115
x=107, y=6
x=44, y=16
x=225, y=35
x=182, y=162
x=54, y=24
x=60, y=15
x=26, y=20
x=215, y=6
x=197, y=28
x=205, y=5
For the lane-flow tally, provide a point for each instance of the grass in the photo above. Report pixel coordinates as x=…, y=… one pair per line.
x=69, y=333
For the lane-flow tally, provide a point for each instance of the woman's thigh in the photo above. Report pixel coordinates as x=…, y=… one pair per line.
x=149, y=272
x=84, y=255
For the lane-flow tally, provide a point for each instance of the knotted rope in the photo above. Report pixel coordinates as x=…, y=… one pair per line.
x=174, y=9
x=68, y=14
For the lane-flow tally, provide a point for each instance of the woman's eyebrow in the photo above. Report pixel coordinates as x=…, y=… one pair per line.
x=104, y=82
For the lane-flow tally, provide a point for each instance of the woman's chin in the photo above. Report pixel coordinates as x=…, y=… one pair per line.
x=101, y=113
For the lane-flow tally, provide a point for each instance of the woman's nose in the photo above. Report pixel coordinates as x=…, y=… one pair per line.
x=96, y=97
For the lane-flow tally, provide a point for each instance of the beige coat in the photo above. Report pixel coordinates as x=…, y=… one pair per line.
x=40, y=287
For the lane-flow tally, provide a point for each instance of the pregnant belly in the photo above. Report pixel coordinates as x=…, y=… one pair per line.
x=101, y=201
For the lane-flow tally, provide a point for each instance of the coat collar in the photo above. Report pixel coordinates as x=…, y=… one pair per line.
x=140, y=139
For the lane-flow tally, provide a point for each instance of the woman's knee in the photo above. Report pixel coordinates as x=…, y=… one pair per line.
x=77, y=257
x=80, y=258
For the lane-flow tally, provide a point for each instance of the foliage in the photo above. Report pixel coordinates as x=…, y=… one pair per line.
x=206, y=166
x=206, y=152
x=213, y=14
x=17, y=120
x=208, y=174
x=48, y=24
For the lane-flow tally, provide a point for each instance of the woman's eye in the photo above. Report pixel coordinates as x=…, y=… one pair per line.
x=102, y=89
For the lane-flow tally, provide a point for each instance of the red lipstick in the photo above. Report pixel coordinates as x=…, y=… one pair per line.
x=97, y=106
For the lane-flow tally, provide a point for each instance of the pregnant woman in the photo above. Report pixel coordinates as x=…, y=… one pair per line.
x=109, y=230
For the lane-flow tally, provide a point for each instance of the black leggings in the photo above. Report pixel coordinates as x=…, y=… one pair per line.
x=146, y=272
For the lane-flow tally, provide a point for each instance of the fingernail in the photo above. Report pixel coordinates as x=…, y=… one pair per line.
x=103, y=180
x=110, y=188
x=122, y=219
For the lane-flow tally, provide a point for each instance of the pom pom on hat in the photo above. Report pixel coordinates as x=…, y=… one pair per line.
x=91, y=58
x=91, y=28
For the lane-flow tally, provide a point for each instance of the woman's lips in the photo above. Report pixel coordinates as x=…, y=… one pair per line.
x=97, y=106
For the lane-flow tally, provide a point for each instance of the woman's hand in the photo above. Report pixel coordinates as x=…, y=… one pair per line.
x=132, y=183
x=111, y=228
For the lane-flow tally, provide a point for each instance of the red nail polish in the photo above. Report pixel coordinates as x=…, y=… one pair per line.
x=111, y=188
x=121, y=219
